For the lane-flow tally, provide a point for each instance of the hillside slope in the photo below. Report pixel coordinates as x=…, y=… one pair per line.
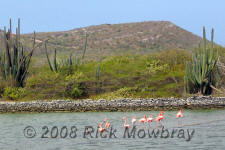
x=114, y=39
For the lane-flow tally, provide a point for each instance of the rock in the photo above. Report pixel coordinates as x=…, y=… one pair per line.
x=126, y=104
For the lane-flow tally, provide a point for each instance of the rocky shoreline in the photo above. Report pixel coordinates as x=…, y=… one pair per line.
x=127, y=104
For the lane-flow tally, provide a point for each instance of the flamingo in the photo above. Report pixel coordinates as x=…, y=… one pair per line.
x=107, y=123
x=143, y=120
x=160, y=117
x=134, y=120
x=101, y=129
x=125, y=123
x=150, y=119
x=180, y=114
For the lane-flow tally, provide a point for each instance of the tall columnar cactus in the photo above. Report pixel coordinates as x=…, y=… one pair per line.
x=201, y=72
x=54, y=66
x=98, y=72
x=14, y=62
x=84, y=47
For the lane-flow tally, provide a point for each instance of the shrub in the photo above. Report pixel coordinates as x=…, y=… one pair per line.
x=75, y=87
x=66, y=35
x=77, y=76
x=45, y=85
x=13, y=93
x=125, y=92
x=173, y=58
x=67, y=70
x=76, y=92
x=155, y=66
x=2, y=86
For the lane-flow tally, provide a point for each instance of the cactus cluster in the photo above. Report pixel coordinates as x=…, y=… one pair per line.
x=201, y=72
x=14, y=62
x=67, y=62
x=71, y=62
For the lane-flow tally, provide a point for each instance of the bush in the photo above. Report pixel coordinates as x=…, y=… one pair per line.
x=126, y=92
x=173, y=58
x=77, y=76
x=13, y=93
x=76, y=92
x=75, y=87
x=154, y=66
x=66, y=35
x=45, y=85
x=66, y=70
x=3, y=84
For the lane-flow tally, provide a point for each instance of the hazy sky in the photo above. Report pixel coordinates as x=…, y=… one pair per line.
x=59, y=15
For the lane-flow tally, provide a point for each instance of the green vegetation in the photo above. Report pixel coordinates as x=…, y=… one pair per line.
x=158, y=74
x=118, y=76
x=201, y=73
x=14, y=93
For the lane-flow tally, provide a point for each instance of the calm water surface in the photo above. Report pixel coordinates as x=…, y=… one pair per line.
x=207, y=128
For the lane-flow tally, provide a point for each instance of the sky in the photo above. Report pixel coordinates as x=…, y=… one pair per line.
x=61, y=15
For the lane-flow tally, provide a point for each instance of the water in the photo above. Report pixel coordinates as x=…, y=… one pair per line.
x=208, y=127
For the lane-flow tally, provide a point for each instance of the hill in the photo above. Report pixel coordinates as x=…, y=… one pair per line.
x=115, y=39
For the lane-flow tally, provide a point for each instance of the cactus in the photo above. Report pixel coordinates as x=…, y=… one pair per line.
x=14, y=62
x=70, y=62
x=67, y=62
x=98, y=72
x=201, y=72
x=84, y=47
x=54, y=66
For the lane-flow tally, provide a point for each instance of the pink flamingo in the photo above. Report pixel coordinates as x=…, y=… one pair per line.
x=107, y=123
x=125, y=123
x=150, y=119
x=160, y=117
x=180, y=114
x=134, y=120
x=143, y=120
x=101, y=129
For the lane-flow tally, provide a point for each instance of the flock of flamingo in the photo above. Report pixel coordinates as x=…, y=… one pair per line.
x=159, y=118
